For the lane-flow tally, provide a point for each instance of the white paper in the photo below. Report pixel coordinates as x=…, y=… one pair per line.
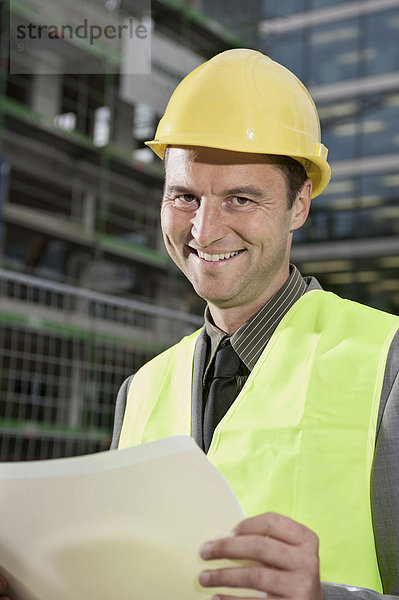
x=120, y=525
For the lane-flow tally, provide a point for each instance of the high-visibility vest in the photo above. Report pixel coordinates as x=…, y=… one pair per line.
x=299, y=439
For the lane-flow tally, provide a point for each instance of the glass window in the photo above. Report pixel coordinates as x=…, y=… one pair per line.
x=322, y=3
x=338, y=194
x=378, y=189
x=380, y=125
x=240, y=17
x=340, y=139
x=277, y=8
x=378, y=192
x=361, y=127
x=287, y=50
x=334, y=52
x=363, y=206
x=323, y=225
x=333, y=214
x=338, y=128
x=382, y=47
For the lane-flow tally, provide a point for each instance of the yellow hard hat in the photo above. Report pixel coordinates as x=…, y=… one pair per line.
x=244, y=101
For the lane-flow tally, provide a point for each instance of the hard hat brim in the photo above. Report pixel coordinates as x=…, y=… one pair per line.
x=315, y=165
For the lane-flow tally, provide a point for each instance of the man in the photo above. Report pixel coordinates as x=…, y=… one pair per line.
x=292, y=391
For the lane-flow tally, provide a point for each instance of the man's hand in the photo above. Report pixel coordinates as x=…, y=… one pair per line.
x=286, y=553
x=3, y=588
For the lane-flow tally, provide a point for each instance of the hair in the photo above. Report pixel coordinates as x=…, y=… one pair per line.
x=294, y=173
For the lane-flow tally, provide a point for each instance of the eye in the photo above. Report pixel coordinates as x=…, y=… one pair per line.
x=185, y=198
x=240, y=201
x=187, y=201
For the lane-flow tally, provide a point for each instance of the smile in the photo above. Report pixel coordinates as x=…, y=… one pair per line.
x=218, y=257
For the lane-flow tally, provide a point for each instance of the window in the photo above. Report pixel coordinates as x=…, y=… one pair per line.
x=382, y=48
x=287, y=50
x=276, y=8
x=334, y=52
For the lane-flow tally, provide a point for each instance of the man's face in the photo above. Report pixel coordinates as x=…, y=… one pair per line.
x=226, y=224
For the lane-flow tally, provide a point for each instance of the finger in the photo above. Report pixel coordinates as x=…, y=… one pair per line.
x=278, y=527
x=3, y=584
x=263, y=579
x=265, y=550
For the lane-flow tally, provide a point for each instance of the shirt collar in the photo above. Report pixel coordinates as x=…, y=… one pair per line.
x=250, y=339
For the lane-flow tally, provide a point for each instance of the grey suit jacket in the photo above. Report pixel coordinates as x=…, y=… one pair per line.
x=385, y=472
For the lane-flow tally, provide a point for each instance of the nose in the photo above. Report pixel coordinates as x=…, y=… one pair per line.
x=208, y=224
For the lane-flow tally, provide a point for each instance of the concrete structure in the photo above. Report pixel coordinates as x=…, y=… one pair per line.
x=87, y=292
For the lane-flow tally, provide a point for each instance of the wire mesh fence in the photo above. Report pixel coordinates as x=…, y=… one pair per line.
x=64, y=351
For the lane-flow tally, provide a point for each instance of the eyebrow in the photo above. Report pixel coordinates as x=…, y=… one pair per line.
x=178, y=188
x=244, y=190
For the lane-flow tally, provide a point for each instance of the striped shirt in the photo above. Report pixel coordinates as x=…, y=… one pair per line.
x=251, y=338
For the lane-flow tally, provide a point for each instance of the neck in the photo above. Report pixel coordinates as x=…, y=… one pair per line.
x=230, y=318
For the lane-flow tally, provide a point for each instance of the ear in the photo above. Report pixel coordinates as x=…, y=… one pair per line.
x=301, y=206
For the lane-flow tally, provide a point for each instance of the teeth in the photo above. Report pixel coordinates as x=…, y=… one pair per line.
x=216, y=257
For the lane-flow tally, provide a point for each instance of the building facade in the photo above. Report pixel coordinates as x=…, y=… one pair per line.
x=347, y=54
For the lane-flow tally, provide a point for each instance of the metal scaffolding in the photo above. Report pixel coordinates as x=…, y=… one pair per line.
x=64, y=351
x=79, y=204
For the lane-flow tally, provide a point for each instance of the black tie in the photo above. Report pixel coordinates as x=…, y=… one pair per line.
x=222, y=391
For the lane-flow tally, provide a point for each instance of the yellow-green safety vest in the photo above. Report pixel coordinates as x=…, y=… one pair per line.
x=299, y=439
